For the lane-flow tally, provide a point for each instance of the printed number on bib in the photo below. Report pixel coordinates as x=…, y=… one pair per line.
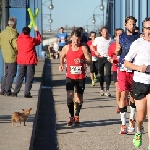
x=75, y=69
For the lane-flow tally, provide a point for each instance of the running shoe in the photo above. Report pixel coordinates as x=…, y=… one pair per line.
x=95, y=79
x=118, y=110
x=93, y=84
x=71, y=121
x=102, y=93
x=137, y=140
x=76, y=120
x=131, y=127
x=107, y=93
x=123, y=129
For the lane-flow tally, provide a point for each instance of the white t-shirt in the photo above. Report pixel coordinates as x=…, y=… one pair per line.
x=140, y=52
x=102, y=45
x=56, y=46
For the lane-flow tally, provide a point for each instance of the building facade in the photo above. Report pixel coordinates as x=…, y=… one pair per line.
x=118, y=10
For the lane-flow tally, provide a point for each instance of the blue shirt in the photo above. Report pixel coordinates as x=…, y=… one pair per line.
x=62, y=36
x=125, y=42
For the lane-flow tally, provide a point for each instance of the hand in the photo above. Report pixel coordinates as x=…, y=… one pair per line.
x=36, y=28
x=142, y=68
x=97, y=53
x=61, y=68
x=118, y=47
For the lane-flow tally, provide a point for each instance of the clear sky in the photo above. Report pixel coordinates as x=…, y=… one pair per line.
x=72, y=13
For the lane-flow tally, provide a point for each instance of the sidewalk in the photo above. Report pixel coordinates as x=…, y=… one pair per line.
x=18, y=138
x=100, y=125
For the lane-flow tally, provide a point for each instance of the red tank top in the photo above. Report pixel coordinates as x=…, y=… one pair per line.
x=74, y=68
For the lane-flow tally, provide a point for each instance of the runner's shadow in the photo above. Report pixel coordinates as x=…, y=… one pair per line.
x=90, y=124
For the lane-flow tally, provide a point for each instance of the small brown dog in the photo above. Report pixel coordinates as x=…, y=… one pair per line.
x=20, y=117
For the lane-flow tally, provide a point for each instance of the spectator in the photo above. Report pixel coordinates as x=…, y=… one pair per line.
x=27, y=59
x=8, y=44
x=56, y=47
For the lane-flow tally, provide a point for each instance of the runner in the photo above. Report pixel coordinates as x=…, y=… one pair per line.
x=125, y=76
x=114, y=60
x=102, y=44
x=140, y=52
x=76, y=57
x=62, y=39
x=94, y=66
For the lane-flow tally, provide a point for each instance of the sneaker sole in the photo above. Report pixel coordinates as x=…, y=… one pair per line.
x=123, y=132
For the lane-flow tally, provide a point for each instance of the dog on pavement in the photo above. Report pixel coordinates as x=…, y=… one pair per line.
x=20, y=117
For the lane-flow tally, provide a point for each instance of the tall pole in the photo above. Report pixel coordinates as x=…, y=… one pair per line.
x=5, y=13
x=4, y=23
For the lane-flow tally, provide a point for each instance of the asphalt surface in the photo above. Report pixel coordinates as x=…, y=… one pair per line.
x=46, y=127
x=100, y=125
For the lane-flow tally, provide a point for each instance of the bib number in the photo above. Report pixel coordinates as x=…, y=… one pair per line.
x=75, y=69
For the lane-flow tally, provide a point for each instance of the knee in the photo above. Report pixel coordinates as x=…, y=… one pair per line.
x=69, y=98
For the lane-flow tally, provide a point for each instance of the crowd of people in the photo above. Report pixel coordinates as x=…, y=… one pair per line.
x=127, y=55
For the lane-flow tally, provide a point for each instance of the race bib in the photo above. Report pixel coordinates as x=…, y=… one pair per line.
x=75, y=69
x=94, y=58
x=62, y=40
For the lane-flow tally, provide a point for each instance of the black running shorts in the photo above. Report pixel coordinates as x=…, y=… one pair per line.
x=78, y=84
x=140, y=90
x=94, y=67
x=60, y=48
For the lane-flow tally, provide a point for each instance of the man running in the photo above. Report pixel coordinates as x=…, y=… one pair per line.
x=94, y=65
x=125, y=76
x=114, y=60
x=62, y=39
x=76, y=57
x=140, y=52
x=102, y=44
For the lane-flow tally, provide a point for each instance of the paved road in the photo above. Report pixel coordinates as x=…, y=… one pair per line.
x=19, y=138
x=100, y=125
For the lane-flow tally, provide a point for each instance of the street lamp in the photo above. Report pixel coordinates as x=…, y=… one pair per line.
x=101, y=7
x=51, y=6
x=50, y=20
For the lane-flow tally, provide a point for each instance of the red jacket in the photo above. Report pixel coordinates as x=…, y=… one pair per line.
x=26, y=49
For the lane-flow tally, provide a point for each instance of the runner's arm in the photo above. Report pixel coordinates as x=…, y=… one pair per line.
x=118, y=47
x=63, y=55
x=88, y=60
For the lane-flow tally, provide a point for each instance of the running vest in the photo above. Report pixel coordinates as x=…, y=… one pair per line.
x=74, y=68
x=125, y=42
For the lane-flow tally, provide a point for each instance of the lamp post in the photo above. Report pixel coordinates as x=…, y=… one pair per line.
x=50, y=20
x=101, y=7
x=87, y=25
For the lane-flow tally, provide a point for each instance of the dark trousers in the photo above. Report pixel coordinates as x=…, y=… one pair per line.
x=103, y=62
x=27, y=71
x=10, y=73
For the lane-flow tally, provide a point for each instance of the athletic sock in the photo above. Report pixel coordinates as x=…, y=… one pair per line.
x=123, y=118
x=132, y=113
x=71, y=108
x=78, y=108
x=123, y=115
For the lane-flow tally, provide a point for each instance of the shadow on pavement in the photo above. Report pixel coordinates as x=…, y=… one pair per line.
x=44, y=130
x=92, y=123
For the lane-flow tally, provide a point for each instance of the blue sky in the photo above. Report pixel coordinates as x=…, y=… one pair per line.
x=72, y=13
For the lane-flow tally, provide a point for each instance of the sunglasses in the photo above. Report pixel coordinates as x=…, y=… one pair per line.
x=148, y=28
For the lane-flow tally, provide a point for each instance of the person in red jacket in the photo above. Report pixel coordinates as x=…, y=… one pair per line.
x=27, y=59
